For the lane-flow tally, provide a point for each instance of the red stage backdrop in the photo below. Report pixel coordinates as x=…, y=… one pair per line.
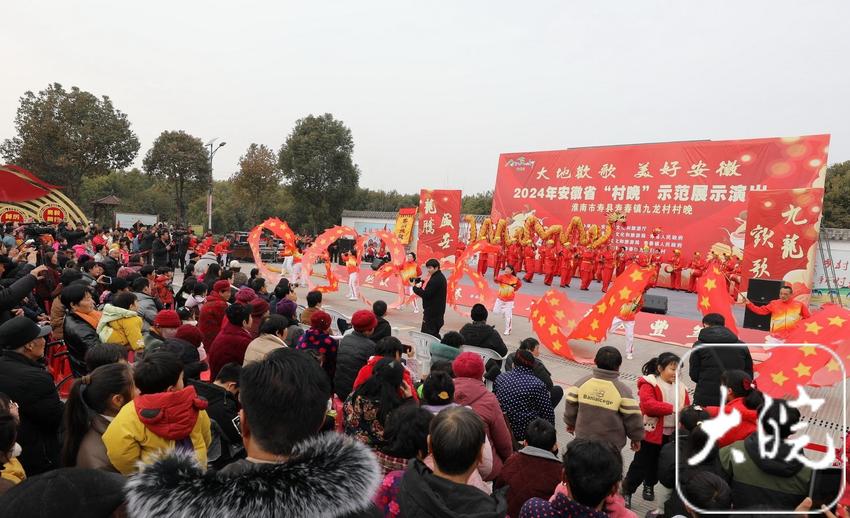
x=439, y=219
x=782, y=235
x=696, y=192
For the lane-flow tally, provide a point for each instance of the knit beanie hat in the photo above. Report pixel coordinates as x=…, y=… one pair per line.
x=167, y=318
x=363, y=321
x=468, y=365
x=245, y=296
x=221, y=285
x=320, y=320
x=286, y=308
x=191, y=334
x=478, y=313
x=524, y=358
x=259, y=307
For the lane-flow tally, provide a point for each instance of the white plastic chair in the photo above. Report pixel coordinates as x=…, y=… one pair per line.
x=486, y=354
x=335, y=316
x=422, y=350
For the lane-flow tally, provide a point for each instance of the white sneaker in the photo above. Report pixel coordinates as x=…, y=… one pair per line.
x=507, y=332
x=629, y=356
x=416, y=310
x=352, y=298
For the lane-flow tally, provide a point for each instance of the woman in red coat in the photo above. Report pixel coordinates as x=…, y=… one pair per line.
x=212, y=312
x=230, y=344
x=659, y=400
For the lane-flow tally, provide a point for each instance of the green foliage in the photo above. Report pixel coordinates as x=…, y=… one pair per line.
x=836, y=201
x=229, y=207
x=181, y=159
x=258, y=177
x=477, y=204
x=319, y=171
x=388, y=201
x=64, y=136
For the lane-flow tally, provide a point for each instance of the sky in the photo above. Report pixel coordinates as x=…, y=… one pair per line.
x=433, y=92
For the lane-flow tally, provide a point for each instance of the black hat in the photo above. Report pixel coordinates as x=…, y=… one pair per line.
x=19, y=331
x=65, y=493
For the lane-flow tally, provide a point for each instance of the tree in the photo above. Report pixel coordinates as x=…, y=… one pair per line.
x=64, y=136
x=320, y=174
x=481, y=203
x=377, y=200
x=258, y=177
x=181, y=159
x=836, y=200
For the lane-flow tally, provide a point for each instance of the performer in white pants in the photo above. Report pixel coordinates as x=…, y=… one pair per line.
x=627, y=320
x=353, y=269
x=409, y=271
x=508, y=285
x=295, y=276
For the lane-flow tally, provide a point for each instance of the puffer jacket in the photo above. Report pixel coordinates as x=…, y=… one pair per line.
x=471, y=392
x=79, y=337
x=479, y=334
x=354, y=351
x=343, y=478
x=706, y=365
x=423, y=494
x=92, y=452
x=655, y=409
x=261, y=346
x=154, y=423
x=147, y=310
x=121, y=326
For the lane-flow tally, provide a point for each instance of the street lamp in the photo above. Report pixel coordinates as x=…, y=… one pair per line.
x=209, y=193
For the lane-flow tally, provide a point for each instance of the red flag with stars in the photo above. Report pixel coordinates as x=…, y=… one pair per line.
x=713, y=297
x=627, y=289
x=553, y=317
x=788, y=367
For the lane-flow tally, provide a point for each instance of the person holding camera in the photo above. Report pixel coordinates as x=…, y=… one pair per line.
x=433, y=296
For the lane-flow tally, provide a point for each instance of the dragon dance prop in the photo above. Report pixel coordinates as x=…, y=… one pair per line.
x=526, y=233
x=486, y=294
x=278, y=228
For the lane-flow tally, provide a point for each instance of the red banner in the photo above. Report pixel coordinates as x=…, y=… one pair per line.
x=439, y=219
x=695, y=192
x=782, y=236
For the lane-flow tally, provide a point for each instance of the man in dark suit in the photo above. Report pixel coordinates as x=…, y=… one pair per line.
x=433, y=296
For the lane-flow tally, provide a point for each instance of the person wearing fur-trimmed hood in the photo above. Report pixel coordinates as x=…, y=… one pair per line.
x=290, y=471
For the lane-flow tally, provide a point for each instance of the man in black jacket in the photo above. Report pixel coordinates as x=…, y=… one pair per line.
x=161, y=250
x=11, y=296
x=479, y=334
x=433, y=298
x=707, y=364
x=24, y=379
x=222, y=396
x=355, y=349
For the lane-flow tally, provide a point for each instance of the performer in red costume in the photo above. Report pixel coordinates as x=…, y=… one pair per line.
x=576, y=252
x=606, y=258
x=500, y=261
x=565, y=266
x=676, y=265
x=642, y=257
x=550, y=261
x=655, y=261
x=528, y=262
x=697, y=267
x=588, y=258
x=514, y=256
x=410, y=270
x=622, y=258
x=482, y=263
x=732, y=270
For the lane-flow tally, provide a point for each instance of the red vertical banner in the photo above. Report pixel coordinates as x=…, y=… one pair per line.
x=439, y=219
x=781, y=236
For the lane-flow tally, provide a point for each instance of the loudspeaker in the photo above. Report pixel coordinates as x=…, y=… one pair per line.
x=377, y=263
x=760, y=292
x=655, y=304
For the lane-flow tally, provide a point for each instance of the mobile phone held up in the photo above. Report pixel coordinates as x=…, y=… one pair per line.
x=825, y=487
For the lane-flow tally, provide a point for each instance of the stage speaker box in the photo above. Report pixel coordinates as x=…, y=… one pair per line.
x=655, y=304
x=760, y=292
x=377, y=263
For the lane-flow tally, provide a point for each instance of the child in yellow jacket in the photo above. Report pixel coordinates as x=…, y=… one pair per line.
x=165, y=416
x=120, y=324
